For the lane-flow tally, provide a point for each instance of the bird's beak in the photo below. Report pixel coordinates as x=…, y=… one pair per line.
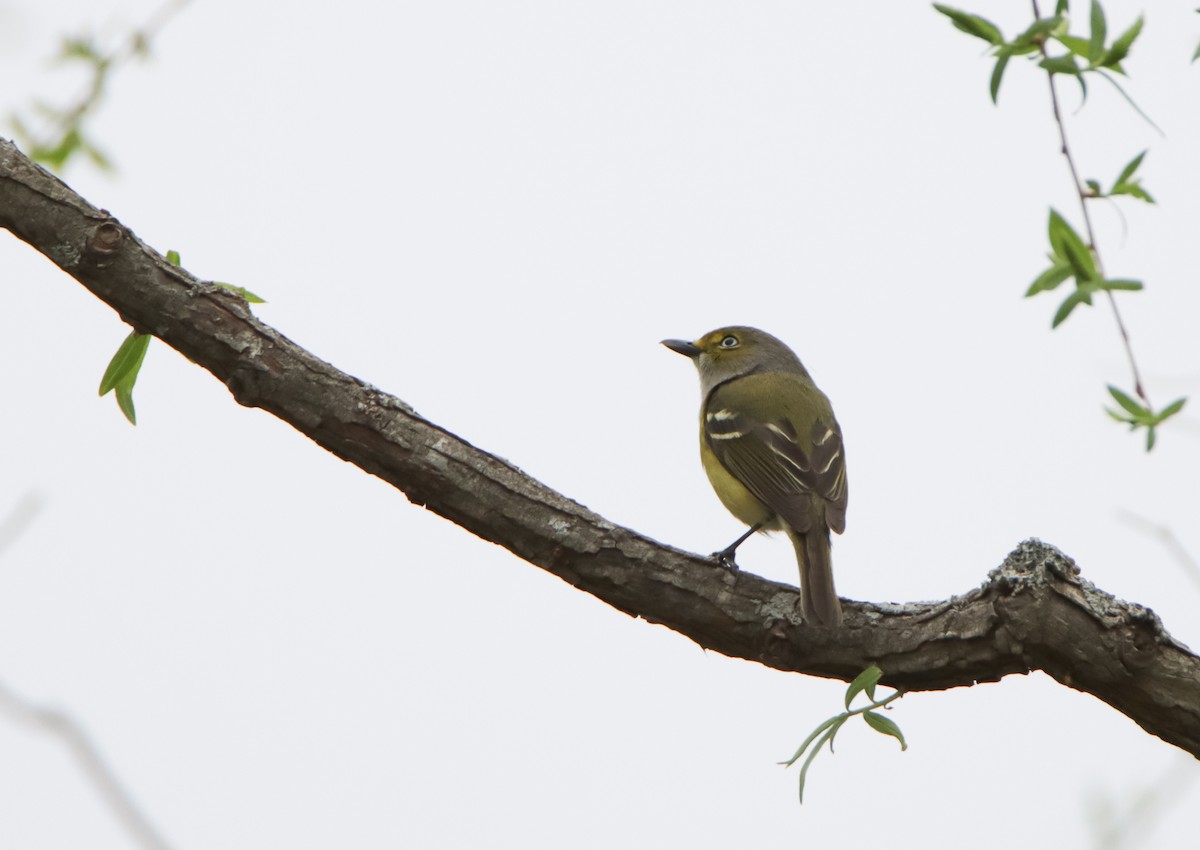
x=682, y=346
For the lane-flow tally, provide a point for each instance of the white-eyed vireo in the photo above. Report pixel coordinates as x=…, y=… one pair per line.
x=773, y=452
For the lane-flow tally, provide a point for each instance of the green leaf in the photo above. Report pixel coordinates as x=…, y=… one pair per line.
x=812, y=737
x=80, y=47
x=832, y=733
x=1107, y=76
x=1196, y=55
x=124, y=397
x=1057, y=229
x=1127, y=184
x=1078, y=46
x=1041, y=29
x=1142, y=417
x=1068, y=245
x=972, y=24
x=1171, y=409
x=97, y=156
x=885, y=726
x=1099, y=33
x=1020, y=49
x=1124, y=420
x=1080, y=259
x=54, y=156
x=1049, y=279
x=1120, y=47
x=808, y=761
x=1134, y=190
x=864, y=681
x=998, y=73
x=1131, y=167
x=50, y=113
x=1094, y=185
x=1121, y=284
x=1064, y=64
x=250, y=297
x=122, y=372
x=126, y=362
x=1128, y=403
x=1062, y=8
x=1081, y=295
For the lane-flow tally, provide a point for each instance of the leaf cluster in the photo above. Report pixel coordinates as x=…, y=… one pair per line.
x=1137, y=415
x=1086, y=54
x=67, y=135
x=864, y=682
x=1071, y=258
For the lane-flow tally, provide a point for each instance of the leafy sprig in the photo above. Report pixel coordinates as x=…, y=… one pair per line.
x=1075, y=256
x=1070, y=258
x=1084, y=54
x=865, y=682
x=1137, y=415
x=64, y=134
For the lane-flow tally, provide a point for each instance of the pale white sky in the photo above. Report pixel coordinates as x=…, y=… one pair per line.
x=495, y=210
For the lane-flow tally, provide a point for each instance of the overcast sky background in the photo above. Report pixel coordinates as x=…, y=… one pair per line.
x=495, y=210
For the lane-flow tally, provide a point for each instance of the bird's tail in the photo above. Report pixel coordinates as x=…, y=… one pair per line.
x=818, y=599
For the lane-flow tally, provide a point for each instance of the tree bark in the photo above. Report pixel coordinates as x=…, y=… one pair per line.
x=1034, y=612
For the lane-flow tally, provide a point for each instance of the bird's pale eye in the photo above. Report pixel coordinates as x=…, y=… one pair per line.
x=729, y=342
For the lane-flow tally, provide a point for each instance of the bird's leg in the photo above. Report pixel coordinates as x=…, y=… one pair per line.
x=726, y=556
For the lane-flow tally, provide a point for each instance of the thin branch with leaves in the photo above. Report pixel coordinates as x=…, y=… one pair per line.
x=1072, y=256
x=64, y=135
x=864, y=682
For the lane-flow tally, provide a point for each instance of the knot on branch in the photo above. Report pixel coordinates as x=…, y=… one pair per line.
x=1064, y=624
x=106, y=239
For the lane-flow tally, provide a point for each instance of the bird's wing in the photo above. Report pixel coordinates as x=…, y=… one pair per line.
x=786, y=460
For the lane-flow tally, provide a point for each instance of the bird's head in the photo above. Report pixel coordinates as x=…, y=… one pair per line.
x=733, y=352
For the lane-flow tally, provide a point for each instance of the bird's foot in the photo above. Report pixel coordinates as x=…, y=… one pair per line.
x=726, y=559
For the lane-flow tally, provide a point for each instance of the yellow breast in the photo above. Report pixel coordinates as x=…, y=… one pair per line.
x=736, y=498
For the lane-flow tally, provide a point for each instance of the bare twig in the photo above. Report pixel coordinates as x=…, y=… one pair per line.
x=19, y=519
x=1167, y=537
x=63, y=726
x=95, y=768
x=1126, y=821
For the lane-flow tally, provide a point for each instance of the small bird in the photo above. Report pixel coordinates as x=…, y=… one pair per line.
x=772, y=450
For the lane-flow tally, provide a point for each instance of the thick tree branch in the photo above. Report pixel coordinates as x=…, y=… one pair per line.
x=1033, y=613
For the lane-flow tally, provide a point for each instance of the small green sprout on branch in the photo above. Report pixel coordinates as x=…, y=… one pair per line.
x=1075, y=254
x=865, y=682
x=122, y=371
